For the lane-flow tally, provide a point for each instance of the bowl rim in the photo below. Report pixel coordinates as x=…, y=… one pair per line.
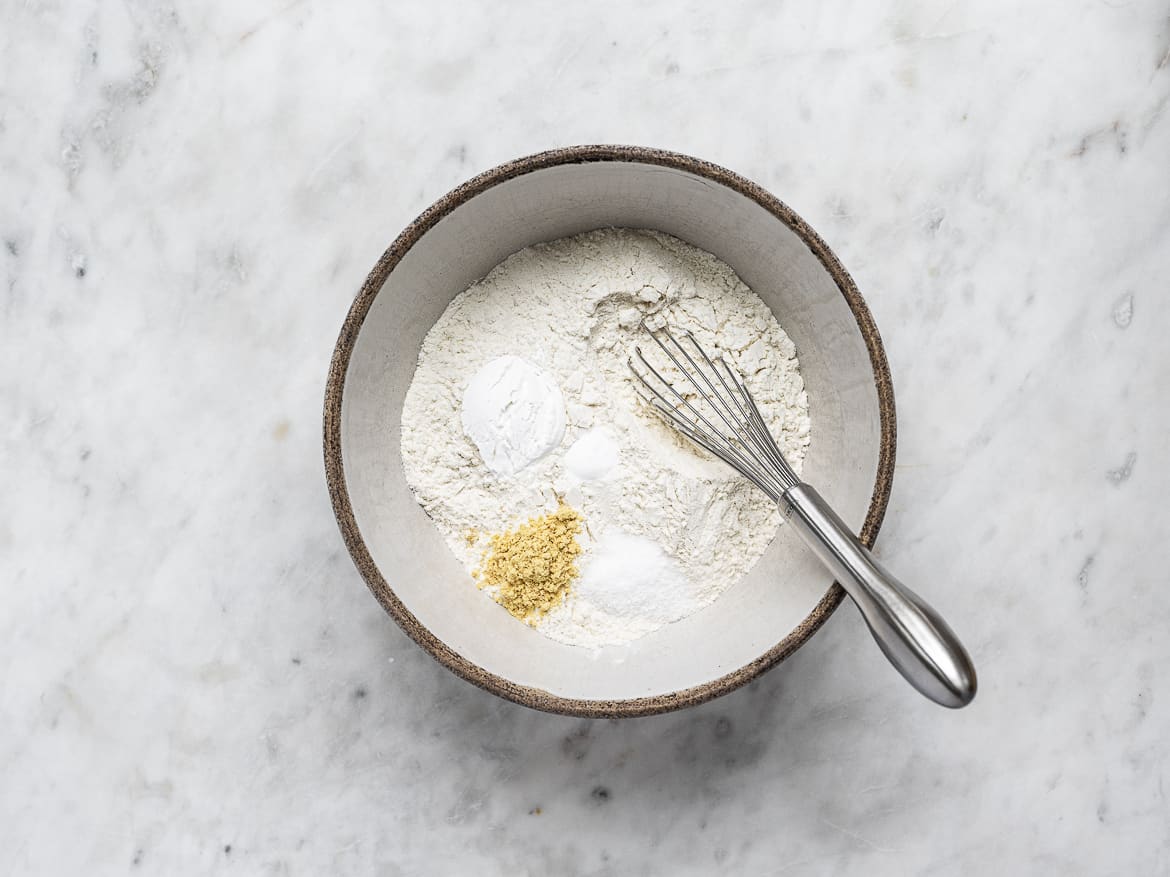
x=335, y=474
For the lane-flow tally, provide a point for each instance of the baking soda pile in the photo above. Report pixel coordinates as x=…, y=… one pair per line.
x=523, y=406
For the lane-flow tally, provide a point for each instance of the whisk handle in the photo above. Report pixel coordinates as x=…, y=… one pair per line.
x=912, y=635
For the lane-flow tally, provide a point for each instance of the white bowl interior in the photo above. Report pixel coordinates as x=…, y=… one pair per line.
x=787, y=583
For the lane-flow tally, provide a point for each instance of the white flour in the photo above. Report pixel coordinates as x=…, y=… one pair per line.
x=689, y=524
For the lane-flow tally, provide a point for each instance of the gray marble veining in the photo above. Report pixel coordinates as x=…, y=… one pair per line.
x=195, y=678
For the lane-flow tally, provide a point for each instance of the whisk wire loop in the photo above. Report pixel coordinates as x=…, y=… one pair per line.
x=700, y=430
x=745, y=443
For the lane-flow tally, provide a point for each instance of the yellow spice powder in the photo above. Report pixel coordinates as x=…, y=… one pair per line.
x=530, y=569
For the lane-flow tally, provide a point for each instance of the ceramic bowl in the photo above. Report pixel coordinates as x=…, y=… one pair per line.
x=756, y=623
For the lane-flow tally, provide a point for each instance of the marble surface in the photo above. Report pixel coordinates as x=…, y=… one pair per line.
x=195, y=679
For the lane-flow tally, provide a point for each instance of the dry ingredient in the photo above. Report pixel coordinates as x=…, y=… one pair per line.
x=667, y=528
x=594, y=456
x=529, y=570
x=632, y=578
x=514, y=412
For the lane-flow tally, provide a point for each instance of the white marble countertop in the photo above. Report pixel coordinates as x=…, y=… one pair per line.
x=195, y=679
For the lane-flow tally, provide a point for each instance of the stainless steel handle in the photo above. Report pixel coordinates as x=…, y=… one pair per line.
x=911, y=634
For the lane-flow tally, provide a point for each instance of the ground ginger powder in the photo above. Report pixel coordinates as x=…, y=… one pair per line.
x=529, y=570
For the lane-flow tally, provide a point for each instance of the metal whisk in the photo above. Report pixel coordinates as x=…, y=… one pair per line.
x=716, y=411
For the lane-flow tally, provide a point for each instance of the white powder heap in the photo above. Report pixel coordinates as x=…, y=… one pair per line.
x=594, y=456
x=668, y=528
x=513, y=412
x=629, y=583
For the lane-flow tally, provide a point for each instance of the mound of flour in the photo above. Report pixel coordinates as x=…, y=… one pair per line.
x=689, y=526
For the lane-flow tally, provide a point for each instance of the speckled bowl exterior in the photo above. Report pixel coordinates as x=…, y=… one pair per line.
x=336, y=387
